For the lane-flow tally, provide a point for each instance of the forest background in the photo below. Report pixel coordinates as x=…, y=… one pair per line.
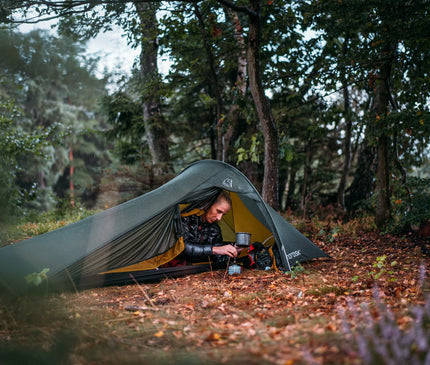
x=324, y=105
x=319, y=103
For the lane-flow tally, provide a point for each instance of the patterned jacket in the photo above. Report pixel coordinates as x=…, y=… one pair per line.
x=199, y=237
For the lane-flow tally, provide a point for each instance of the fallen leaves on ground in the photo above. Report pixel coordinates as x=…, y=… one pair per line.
x=255, y=317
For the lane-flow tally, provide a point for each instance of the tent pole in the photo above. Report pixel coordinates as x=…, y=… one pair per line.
x=286, y=256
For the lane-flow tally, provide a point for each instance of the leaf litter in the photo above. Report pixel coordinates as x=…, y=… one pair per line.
x=211, y=318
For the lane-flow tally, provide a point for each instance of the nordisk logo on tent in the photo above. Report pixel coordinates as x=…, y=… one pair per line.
x=294, y=254
x=228, y=182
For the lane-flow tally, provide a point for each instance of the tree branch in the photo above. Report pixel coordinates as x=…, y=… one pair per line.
x=70, y=7
x=241, y=9
x=41, y=18
x=59, y=8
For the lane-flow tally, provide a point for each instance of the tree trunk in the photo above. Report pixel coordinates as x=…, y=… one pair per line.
x=71, y=172
x=227, y=127
x=214, y=82
x=155, y=128
x=270, y=132
x=289, y=203
x=306, y=176
x=346, y=148
x=382, y=183
x=380, y=109
x=348, y=131
x=362, y=185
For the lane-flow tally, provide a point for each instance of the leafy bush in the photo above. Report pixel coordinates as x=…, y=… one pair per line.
x=16, y=144
x=37, y=278
x=411, y=207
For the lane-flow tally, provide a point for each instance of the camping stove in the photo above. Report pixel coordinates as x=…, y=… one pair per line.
x=234, y=269
x=243, y=239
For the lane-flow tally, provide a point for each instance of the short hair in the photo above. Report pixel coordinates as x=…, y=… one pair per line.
x=224, y=195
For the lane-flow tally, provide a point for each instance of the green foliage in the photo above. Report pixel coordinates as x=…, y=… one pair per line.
x=198, y=39
x=56, y=99
x=252, y=153
x=8, y=190
x=320, y=62
x=411, y=203
x=297, y=270
x=333, y=234
x=37, y=278
x=127, y=130
x=381, y=268
x=324, y=230
x=286, y=149
x=353, y=41
x=15, y=144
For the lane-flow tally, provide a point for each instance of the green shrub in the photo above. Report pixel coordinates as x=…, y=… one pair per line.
x=410, y=208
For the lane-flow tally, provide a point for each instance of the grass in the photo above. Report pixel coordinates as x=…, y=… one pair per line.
x=41, y=223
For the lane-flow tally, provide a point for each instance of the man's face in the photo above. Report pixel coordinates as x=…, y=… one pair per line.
x=216, y=211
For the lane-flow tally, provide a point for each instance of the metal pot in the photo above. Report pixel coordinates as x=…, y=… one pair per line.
x=243, y=239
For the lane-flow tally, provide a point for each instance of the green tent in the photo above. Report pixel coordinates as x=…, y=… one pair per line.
x=135, y=238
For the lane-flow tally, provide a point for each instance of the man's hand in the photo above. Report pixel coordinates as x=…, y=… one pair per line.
x=228, y=250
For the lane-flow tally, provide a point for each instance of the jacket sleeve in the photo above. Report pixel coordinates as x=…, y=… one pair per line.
x=197, y=250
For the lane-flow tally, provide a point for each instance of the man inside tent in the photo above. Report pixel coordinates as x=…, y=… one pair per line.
x=202, y=234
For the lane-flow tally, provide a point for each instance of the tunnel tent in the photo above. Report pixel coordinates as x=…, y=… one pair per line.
x=135, y=238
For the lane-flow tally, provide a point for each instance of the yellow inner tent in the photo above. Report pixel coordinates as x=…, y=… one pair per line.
x=240, y=219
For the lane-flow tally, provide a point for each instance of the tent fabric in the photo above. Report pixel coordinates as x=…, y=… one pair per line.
x=146, y=231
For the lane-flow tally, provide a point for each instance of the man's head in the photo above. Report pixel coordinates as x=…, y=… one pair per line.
x=216, y=211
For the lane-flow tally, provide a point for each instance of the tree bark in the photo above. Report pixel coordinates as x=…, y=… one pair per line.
x=380, y=109
x=227, y=126
x=346, y=148
x=306, y=176
x=348, y=130
x=382, y=183
x=290, y=189
x=262, y=105
x=71, y=172
x=154, y=122
x=214, y=81
x=362, y=185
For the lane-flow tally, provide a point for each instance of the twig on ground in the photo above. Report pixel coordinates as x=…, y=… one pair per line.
x=72, y=281
x=143, y=291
